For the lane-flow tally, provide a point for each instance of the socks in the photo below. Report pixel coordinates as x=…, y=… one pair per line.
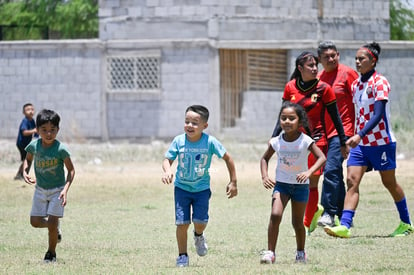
x=347, y=217
x=311, y=206
x=403, y=211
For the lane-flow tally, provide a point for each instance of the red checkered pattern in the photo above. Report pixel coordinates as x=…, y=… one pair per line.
x=365, y=95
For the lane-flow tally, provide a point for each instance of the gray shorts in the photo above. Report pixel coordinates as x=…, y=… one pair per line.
x=46, y=202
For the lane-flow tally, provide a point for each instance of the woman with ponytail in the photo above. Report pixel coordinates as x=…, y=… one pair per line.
x=373, y=145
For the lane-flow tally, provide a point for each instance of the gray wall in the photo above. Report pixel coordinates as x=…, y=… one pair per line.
x=55, y=75
x=185, y=77
x=244, y=19
x=69, y=76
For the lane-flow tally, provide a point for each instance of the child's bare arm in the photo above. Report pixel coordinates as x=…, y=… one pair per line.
x=231, y=189
x=168, y=176
x=69, y=179
x=268, y=183
x=321, y=159
x=29, y=132
x=27, y=163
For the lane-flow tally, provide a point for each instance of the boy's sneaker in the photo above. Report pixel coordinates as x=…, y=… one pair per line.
x=49, y=257
x=403, y=229
x=200, y=244
x=59, y=233
x=301, y=257
x=340, y=231
x=315, y=218
x=268, y=257
x=326, y=220
x=182, y=261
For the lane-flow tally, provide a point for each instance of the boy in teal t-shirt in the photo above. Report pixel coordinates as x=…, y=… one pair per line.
x=194, y=150
x=50, y=196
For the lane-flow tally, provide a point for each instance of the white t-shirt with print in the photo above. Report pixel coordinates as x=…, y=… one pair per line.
x=292, y=157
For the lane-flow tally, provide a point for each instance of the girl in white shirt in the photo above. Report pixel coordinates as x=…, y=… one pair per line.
x=292, y=147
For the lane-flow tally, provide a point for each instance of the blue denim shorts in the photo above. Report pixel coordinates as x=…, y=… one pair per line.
x=198, y=201
x=296, y=192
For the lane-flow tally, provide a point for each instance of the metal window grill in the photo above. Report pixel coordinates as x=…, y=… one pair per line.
x=132, y=74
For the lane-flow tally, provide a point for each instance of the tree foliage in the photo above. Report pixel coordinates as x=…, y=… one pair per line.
x=38, y=19
x=401, y=20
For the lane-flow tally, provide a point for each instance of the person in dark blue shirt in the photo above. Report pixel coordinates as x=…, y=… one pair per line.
x=27, y=130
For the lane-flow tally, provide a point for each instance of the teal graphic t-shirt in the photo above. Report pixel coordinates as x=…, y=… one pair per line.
x=48, y=163
x=194, y=159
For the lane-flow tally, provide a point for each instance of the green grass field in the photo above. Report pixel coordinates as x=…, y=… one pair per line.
x=120, y=220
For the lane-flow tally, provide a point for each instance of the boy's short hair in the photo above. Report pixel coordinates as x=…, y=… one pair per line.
x=201, y=110
x=46, y=116
x=26, y=105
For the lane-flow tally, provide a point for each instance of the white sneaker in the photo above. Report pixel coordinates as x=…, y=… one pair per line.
x=201, y=245
x=301, y=257
x=268, y=257
x=326, y=220
x=182, y=261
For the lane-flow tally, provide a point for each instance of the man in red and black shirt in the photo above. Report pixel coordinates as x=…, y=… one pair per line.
x=340, y=77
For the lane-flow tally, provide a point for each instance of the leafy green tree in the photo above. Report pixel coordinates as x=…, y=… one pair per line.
x=37, y=19
x=77, y=19
x=401, y=20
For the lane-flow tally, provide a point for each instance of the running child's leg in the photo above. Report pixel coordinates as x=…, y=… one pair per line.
x=298, y=210
x=181, y=234
x=199, y=228
x=52, y=225
x=279, y=202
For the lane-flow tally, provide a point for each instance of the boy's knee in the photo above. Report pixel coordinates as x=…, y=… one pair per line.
x=183, y=227
x=35, y=222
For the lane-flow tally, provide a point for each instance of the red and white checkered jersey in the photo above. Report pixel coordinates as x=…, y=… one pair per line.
x=365, y=95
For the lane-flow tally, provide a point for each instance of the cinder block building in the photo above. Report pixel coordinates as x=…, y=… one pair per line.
x=153, y=58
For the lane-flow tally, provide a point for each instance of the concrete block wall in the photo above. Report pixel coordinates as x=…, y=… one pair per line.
x=396, y=65
x=244, y=19
x=185, y=80
x=189, y=80
x=260, y=110
x=62, y=76
x=68, y=76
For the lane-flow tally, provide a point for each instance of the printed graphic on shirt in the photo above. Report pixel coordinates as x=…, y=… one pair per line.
x=46, y=165
x=292, y=157
x=193, y=164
